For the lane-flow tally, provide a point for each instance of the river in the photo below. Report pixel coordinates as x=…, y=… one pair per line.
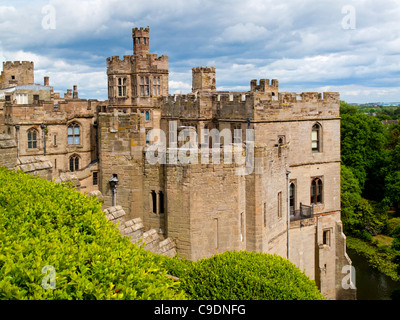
x=371, y=284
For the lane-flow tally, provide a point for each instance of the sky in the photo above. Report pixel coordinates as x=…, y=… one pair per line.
x=345, y=46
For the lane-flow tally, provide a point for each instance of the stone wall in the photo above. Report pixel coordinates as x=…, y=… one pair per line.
x=8, y=151
x=134, y=229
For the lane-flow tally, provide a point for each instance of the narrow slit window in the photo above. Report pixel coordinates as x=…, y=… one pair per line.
x=154, y=201
x=316, y=138
x=161, y=202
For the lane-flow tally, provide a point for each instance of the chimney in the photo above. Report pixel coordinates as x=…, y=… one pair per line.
x=75, y=93
x=46, y=80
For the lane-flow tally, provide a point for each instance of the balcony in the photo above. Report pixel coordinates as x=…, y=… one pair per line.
x=304, y=212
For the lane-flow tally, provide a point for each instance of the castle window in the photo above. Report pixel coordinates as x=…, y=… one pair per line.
x=147, y=116
x=144, y=86
x=154, y=201
x=73, y=163
x=316, y=191
x=161, y=202
x=316, y=137
x=95, y=178
x=292, y=198
x=237, y=133
x=22, y=98
x=32, y=139
x=36, y=99
x=73, y=134
x=121, y=86
x=8, y=98
x=13, y=77
x=156, y=86
x=326, y=237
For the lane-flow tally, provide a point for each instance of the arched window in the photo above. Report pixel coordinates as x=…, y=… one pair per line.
x=32, y=138
x=292, y=198
x=316, y=138
x=147, y=115
x=73, y=163
x=74, y=134
x=316, y=191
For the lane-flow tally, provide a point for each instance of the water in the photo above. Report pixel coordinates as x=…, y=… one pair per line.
x=371, y=284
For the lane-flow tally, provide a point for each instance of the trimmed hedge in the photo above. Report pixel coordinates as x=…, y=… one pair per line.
x=42, y=223
x=46, y=224
x=243, y=276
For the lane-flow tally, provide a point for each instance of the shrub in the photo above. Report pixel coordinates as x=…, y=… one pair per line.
x=243, y=276
x=392, y=224
x=42, y=223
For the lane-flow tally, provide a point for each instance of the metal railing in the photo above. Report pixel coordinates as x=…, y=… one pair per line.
x=304, y=212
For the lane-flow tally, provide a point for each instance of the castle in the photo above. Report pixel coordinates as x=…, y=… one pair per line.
x=287, y=202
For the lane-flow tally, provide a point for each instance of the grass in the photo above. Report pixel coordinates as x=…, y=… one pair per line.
x=382, y=240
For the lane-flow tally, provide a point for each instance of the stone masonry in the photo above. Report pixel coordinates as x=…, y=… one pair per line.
x=134, y=229
x=287, y=204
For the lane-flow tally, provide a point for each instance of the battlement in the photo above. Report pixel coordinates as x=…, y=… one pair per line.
x=203, y=69
x=14, y=64
x=116, y=64
x=264, y=86
x=141, y=32
x=17, y=73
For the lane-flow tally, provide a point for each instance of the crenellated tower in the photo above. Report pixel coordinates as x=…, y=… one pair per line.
x=16, y=73
x=138, y=80
x=141, y=38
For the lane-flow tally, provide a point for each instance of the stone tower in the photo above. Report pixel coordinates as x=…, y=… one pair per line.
x=139, y=80
x=16, y=73
x=203, y=78
x=141, y=38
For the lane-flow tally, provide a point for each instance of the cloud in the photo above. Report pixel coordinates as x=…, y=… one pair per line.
x=300, y=42
x=240, y=32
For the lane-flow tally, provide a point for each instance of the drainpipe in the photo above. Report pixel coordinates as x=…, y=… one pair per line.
x=17, y=138
x=287, y=211
x=43, y=126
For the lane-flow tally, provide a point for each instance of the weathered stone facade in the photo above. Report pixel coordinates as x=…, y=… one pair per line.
x=287, y=204
x=59, y=133
x=207, y=208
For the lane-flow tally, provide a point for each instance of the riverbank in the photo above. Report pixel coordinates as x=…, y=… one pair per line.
x=378, y=254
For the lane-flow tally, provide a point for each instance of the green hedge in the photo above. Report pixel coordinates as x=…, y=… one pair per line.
x=243, y=276
x=46, y=224
x=42, y=223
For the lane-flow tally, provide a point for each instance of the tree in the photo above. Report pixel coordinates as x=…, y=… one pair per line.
x=363, y=139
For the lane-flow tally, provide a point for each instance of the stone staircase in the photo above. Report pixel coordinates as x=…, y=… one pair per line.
x=134, y=229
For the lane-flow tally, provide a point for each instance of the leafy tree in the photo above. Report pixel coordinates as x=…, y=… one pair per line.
x=363, y=138
x=350, y=198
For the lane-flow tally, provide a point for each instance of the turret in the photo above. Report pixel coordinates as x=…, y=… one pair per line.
x=203, y=78
x=141, y=39
x=17, y=73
